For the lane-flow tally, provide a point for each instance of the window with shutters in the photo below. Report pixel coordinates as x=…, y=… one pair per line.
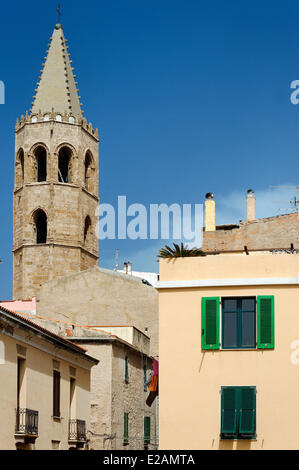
x=239, y=323
x=56, y=394
x=244, y=322
x=126, y=429
x=147, y=430
x=238, y=412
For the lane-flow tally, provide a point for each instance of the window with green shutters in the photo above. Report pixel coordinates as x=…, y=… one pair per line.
x=238, y=412
x=147, y=430
x=265, y=321
x=210, y=314
x=244, y=323
x=126, y=429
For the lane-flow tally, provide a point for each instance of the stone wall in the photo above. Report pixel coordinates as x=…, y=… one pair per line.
x=260, y=234
x=66, y=205
x=99, y=297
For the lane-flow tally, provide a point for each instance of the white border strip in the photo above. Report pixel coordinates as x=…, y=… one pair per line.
x=260, y=281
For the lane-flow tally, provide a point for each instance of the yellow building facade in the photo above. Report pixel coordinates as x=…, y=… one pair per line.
x=46, y=397
x=229, y=349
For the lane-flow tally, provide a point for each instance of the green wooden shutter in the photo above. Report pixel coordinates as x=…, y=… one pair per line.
x=210, y=316
x=265, y=322
x=247, y=423
x=228, y=411
x=126, y=428
x=147, y=430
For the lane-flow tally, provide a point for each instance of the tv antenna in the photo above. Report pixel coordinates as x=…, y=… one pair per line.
x=294, y=202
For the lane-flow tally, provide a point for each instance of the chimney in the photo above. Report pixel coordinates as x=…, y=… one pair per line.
x=210, y=218
x=250, y=205
x=130, y=268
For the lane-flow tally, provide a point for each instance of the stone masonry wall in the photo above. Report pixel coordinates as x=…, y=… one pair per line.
x=66, y=205
x=261, y=234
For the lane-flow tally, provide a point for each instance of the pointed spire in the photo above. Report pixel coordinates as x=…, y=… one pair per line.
x=57, y=88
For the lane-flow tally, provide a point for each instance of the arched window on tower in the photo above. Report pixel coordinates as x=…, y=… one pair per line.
x=87, y=230
x=64, y=165
x=41, y=162
x=89, y=172
x=40, y=226
x=20, y=168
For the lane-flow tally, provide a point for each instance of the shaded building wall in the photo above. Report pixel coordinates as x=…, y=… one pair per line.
x=98, y=297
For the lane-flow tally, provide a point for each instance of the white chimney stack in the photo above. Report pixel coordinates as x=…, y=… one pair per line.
x=210, y=216
x=250, y=205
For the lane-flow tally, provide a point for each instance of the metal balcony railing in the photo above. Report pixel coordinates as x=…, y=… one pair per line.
x=77, y=430
x=26, y=422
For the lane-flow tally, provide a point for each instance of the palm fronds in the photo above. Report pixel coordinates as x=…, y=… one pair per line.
x=179, y=251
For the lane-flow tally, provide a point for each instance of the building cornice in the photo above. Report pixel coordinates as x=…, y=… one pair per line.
x=61, y=245
x=17, y=322
x=262, y=281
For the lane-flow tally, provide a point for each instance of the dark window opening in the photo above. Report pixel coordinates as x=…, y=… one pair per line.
x=87, y=175
x=87, y=226
x=147, y=431
x=126, y=369
x=40, y=220
x=56, y=394
x=64, y=158
x=21, y=163
x=239, y=323
x=41, y=160
x=20, y=379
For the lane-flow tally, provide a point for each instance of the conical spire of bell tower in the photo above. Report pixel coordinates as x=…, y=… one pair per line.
x=57, y=87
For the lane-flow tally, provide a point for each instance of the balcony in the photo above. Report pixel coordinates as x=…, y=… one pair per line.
x=77, y=431
x=26, y=424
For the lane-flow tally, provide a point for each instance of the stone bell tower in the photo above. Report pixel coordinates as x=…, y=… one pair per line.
x=55, y=197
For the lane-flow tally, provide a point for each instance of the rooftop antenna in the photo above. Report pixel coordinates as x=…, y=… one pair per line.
x=116, y=260
x=294, y=202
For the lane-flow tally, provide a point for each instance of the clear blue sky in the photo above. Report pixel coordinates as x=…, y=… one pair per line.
x=189, y=96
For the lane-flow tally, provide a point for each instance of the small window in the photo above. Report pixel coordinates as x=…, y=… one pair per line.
x=64, y=162
x=147, y=430
x=34, y=119
x=127, y=369
x=20, y=169
x=126, y=429
x=46, y=117
x=40, y=225
x=88, y=174
x=58, y=118
x=55, y=445
x=144, y=378
x=72, y=397
x=56, y=394
x=41, y=162
x=238, y=412
x=71, y=120
x=87, y=228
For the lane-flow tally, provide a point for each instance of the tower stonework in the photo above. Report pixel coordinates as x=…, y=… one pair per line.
x=55, y=197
